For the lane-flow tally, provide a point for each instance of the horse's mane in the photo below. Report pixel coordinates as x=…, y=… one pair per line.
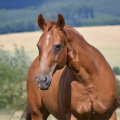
x=51, y=23
x=74, y=30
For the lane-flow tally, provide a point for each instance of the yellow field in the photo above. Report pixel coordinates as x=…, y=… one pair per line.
x=105, y=38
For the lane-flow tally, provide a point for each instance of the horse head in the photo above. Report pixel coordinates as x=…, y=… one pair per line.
x=52, y=47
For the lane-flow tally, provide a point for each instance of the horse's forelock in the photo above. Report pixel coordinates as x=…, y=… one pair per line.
x=49, y=20
x=50, y=23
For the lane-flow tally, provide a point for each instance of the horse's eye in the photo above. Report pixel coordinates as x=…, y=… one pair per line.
x=58, y=47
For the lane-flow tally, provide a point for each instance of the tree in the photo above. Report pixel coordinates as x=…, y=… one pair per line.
x=30, y=26
x=13, y=73
x=86, y=11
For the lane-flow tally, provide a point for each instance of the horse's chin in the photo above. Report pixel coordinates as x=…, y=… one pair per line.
x=44, y=87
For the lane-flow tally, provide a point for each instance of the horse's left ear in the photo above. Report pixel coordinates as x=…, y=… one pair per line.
x=60, y=21
x=41, y=22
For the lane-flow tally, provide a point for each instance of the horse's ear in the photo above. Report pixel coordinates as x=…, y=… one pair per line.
x=41, y=22
x=60, y=21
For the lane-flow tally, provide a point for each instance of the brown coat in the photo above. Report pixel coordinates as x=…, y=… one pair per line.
x=85, y=86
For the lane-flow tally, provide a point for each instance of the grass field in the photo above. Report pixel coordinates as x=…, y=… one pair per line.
x=105, y=38
x=16, y=116
x=5, y=115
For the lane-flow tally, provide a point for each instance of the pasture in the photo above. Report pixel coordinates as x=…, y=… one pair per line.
x=16, y=116
x=104, y=38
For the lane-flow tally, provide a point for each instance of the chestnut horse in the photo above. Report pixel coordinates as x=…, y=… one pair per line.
x=70, y=78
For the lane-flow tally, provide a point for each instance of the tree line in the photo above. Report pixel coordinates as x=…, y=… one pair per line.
x=76, y=14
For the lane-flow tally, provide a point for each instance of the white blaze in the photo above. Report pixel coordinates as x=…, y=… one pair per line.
x=48, y=36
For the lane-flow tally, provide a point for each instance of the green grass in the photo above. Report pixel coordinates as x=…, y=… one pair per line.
x=118, y=114
x=5, y=115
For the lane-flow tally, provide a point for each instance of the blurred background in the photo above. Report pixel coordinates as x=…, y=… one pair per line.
x=98, y=21
x=20, y=16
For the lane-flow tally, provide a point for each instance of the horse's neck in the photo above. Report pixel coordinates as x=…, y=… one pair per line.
x=80, y=62
x=75, y=31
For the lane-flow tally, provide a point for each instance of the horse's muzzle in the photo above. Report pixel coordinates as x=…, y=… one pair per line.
x=43, y=82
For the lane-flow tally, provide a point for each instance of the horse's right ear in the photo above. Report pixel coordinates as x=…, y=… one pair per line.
x=41, y=22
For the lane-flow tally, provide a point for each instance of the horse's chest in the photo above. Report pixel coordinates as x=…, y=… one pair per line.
x=81, y=105
x=76, y=99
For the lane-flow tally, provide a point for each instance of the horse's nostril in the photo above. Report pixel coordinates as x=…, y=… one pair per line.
x=37, y=82
x=41, y=79
x=45, y=78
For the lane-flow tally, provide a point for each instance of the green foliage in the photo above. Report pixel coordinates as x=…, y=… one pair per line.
x=13, y=72
x=116, y=70
x=118, y=83
x=15, y=4
x=76, y=13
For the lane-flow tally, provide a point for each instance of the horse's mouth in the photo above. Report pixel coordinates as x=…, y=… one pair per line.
x=44, y=86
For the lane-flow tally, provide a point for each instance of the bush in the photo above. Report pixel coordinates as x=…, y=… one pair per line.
x=118, y=83
x=116, y=70
x=13, y=72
